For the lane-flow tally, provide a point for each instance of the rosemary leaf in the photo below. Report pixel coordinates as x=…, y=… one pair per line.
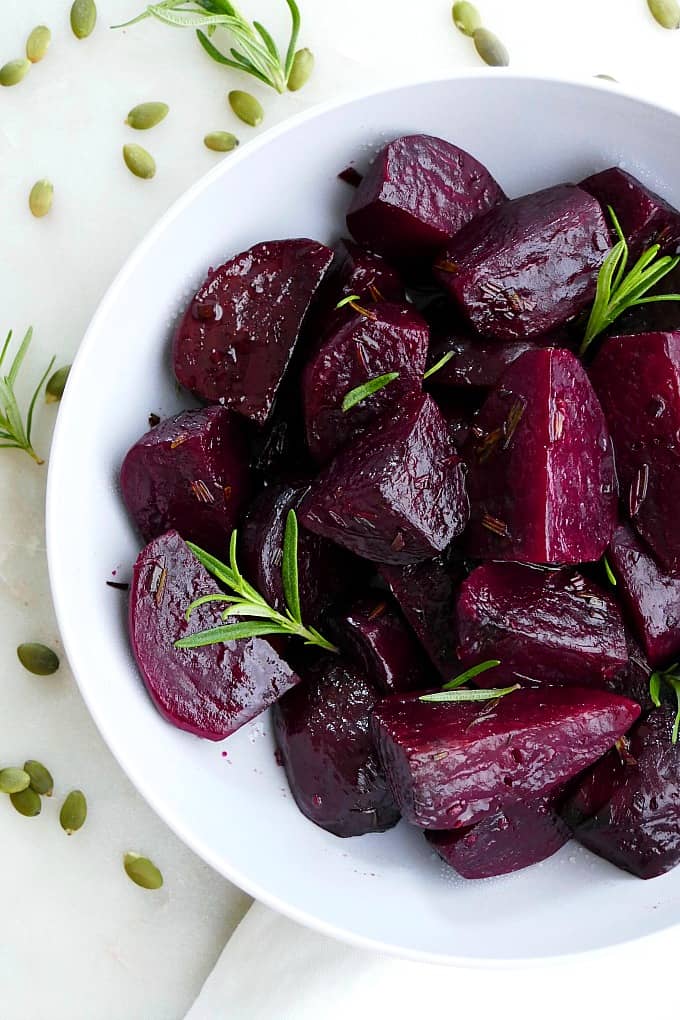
x=470, y=674
x=439, y=364
x=470, y=695
x=289, y=567
x=367, y=389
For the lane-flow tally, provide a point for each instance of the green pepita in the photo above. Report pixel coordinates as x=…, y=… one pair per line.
x=27, y=802
x=142, y=871
x=40, y=778
x=14, y=71
x=40, y=198
x=13, y=780
x=665, y=12
x=38, y=659
x=606, y=77
x=220, y=141
x=139, y=162
x=83, y=18
x=301, y=71
x=147, y=115
x=466, y=17
x=54, y=390
x=490, y=48
x=246, y=107
x=38, y=43
x=73, y=812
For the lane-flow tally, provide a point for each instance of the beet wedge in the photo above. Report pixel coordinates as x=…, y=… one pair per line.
x=322, y=732
x=451, y=764
x=644, y=216
x=238, y=334
x=354, y=272
x=189, y=473
x=209, y=691
x=542, y=484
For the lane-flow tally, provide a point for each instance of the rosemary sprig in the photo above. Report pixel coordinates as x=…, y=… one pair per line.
x=611, y=576
x=671, y=677
x=618, y=290
x=260, y=619
x=470, y=674
x=367, y=389
x=14, y=433
x=452, y=691
x=444, y=360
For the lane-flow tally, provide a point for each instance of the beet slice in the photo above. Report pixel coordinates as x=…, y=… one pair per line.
x=397, y=494
x=553, y=626
x=359, y=272
x=644, y=216
x=374, y=634
x=237, y=336
x=390, y=338
x=627, y=808
x=542, y=483
x=322, y=731
x=209, y=691
x=513, y=839
x=637, y=378
x=189, y=473
x=451, y=764
x=527, y=266
x=417, y=194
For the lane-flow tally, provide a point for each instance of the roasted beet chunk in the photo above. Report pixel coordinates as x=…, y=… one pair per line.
x=451, y=764
x=390, y=338
x=473, y=361
x=189, y=473
x=238, y=334
x=637, y=378
x=374, y=633
x=358, y=272
x=633, y=680
x=542, y=484
x=322, y=731
x=627, y=809
x=527, y=266
x=397, y=494
x=513, y=839
x=552, y=626
x=645, y=217
x=209, y=691
x=417, y=194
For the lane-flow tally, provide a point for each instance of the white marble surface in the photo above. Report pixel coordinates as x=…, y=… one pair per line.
x=79, y=941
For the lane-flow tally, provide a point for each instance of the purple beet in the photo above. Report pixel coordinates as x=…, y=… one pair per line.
x=553, y=626
x=238, y=334
x=417, y=194
x=542, y=484
x=637, y=379
x=209, y=691
x=474, y=361
x=458, y=408
x=451, y=764
x=644, y=216
x=359, y=272
x=527, y=266
x=513, y=839
x=395, y=495
x=322, y=731
x=388, y=338
x=654, y=317
x=189, y=473
x=632, y=681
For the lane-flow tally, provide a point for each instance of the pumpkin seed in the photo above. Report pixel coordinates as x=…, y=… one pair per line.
x=54, y=390
x=14, y=71
x=246, y=107
x=27, y=802
x=139, y=162
x=301, y=71
x=38, y=43
x=41, y=778
x=13, y=780
x=466, y=17
x=147, y=115
x=73, y=812
x=490, y=48
x=40, y=198
x=665, y=12
x=142, y=871
x=83, y=18
x=220, y=141
x=606, y=77
x=38, y=659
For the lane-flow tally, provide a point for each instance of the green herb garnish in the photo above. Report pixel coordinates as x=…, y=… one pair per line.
x=470, y=695
x=260, y=618
x=14, y=433
x=671, y=677
x=611, y=577
x=470, y=674
x=367, y=389
x=439, y=364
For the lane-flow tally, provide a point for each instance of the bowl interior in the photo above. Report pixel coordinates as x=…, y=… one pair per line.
x=230, y=801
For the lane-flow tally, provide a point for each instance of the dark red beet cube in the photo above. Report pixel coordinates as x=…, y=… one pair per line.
x=553, y=626
x=527, y=266
x=397, y=494
x=633, y=679
x=655, y=316
x=637, y=379
x=474, y=361
x=390, y=338
x=644, y=216
x=189, y=473
x=355, y=271
x=417, y=194
x=450, y=764
x=238, y=334
x=542, y=483
x=210, y=691
x=322, y=731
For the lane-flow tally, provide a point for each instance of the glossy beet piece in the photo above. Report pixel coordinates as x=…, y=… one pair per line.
x=644, y=216
x=238, y=334
x=513, y=839
x=458, y=408
x=397, y=494
x=553, y=626
x=376, y=636
x=354, y=271
x=417, y=194
x=633, y=679
x=474, y=362
x=209, y=691
x=655, y=316
x=451, y=764
x=189, y=473
x=542, y=484
x=322, y=731
x=637, y=379
x=390, y=338
x=627, y=809
x=527, y=266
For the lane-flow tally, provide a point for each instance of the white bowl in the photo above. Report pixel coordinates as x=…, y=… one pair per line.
x=386, y=891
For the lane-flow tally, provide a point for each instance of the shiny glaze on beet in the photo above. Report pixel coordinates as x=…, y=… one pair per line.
x=354, y=271
x=645, y=218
